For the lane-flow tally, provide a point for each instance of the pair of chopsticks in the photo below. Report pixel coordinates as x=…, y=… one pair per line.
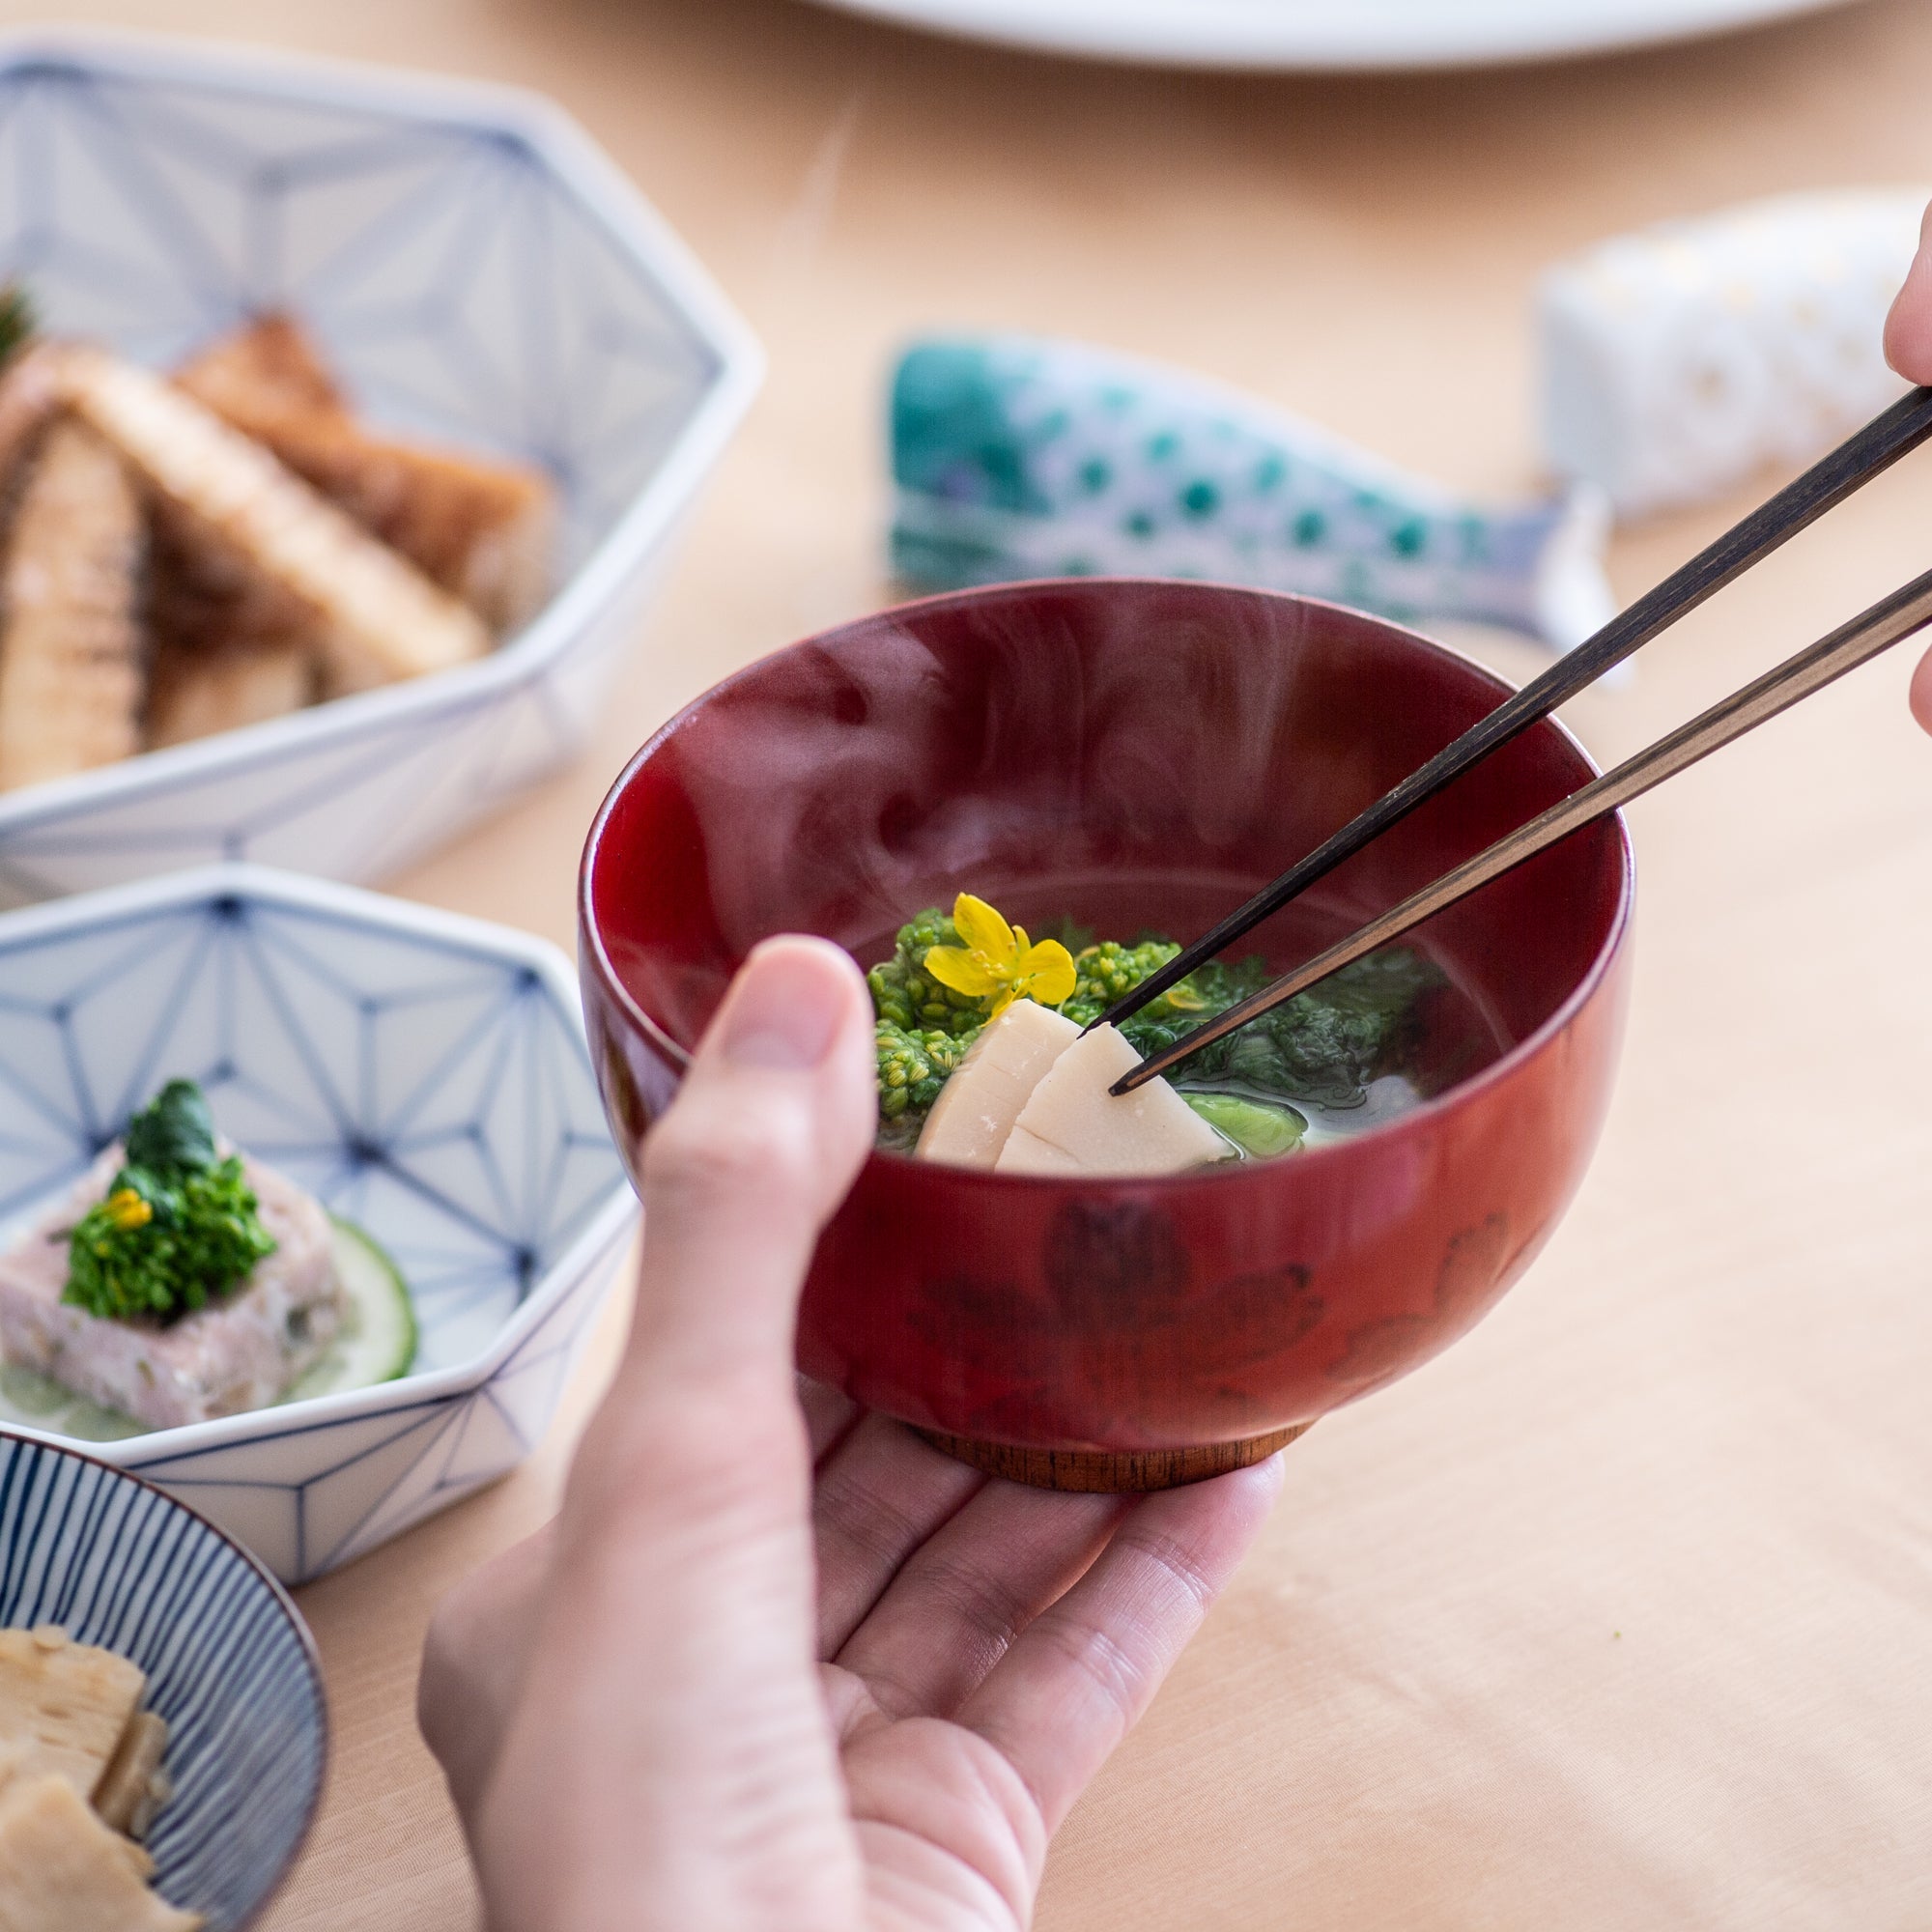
x=1882, y=441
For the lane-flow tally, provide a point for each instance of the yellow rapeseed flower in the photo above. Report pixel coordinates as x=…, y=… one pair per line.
x=998, y=963
x=127, y=1210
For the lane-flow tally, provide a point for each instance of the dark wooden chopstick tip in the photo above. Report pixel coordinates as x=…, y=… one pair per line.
x=1890, y=436
x=1902, y=614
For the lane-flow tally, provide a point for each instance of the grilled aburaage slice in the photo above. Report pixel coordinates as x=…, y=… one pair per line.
x=375, y=617
x=179, y=558
x=194, y=691
x=70, y=645
x=481, y=530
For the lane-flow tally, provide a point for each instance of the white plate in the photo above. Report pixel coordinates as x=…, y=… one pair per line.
x=1335, y=34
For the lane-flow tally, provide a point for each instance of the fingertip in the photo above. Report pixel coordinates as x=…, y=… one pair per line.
x=1921, y=691
x=1258, y=1482
x=826, y=955
x=768, y=1131
x=1907, y=328
x=1907, y=335
x=1267, y=1476
x=792, y=1000
x=1243, y=1499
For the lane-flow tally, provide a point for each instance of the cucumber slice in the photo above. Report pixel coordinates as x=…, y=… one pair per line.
x=377, y=1343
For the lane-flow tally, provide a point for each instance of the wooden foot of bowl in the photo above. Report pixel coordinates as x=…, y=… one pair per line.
x=1112, y=1472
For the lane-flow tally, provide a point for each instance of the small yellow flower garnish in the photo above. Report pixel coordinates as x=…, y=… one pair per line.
x=127, y=1210
x=997, y=961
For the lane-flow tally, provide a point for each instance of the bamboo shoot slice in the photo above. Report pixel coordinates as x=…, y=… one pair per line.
x=977, y=1107
x=378, y=617
x=1071, y=1125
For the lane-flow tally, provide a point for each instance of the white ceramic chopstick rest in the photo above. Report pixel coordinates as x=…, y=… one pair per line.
x=1677, y=360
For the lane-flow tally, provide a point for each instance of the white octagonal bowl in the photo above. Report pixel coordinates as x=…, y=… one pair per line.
x=425, y=1075
x=481, y=274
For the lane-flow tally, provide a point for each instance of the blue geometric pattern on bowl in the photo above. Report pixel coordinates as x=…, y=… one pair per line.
x=229, y=1665
x=479, y=274
x=426, y=1076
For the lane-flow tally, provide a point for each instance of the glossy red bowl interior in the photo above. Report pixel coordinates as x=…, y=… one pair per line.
x=1136, y=755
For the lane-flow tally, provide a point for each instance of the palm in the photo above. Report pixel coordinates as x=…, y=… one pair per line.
x=944, y=1846
x=971, y=1696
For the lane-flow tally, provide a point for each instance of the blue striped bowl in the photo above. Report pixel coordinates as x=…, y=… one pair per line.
x=230, y=1664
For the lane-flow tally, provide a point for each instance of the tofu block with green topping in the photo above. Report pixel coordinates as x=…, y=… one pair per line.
x=237, y=1351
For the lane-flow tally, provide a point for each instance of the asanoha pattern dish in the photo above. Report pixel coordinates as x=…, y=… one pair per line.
x=231, y=1667
x=425, y=1076
x=480, y=275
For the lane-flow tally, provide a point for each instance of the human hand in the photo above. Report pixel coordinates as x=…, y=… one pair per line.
x=1908, y=347
x=777, y=1665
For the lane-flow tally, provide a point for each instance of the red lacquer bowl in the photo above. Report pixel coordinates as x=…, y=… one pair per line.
x=1135, y=754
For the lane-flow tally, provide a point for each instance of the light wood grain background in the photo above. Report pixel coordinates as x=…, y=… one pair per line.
x=1619, y=1615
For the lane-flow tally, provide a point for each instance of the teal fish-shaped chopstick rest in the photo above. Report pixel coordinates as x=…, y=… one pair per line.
x=1017, y=456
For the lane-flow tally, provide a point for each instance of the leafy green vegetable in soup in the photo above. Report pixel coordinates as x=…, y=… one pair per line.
x=913, y=1066
x=1253, y=1126
x=1321, y=1048
x=908, y=996
x=1110, y=971
x=1323, y=1045
x=179, y=1225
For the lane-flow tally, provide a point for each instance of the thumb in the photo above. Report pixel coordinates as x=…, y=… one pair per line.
x=766, y=1135
x=1907, y=328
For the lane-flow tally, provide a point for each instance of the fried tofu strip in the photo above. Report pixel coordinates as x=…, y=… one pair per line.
x=63, y=1870
x=482, y=530
x=196, y=691
x=205, y=596
x=374, y=617
x=65, y=1707
x=267, y=367
x=71, y=674
x=124, y=1797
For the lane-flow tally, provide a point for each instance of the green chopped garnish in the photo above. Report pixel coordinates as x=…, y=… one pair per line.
x=179, y=1226
x=174, y=1132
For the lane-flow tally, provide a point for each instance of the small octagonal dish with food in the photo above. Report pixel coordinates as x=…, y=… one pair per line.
x=163, y=1731
x=306, y=1199
x=345, y=418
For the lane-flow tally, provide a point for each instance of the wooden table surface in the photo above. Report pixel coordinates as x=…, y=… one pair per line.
x=1618, y=1614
